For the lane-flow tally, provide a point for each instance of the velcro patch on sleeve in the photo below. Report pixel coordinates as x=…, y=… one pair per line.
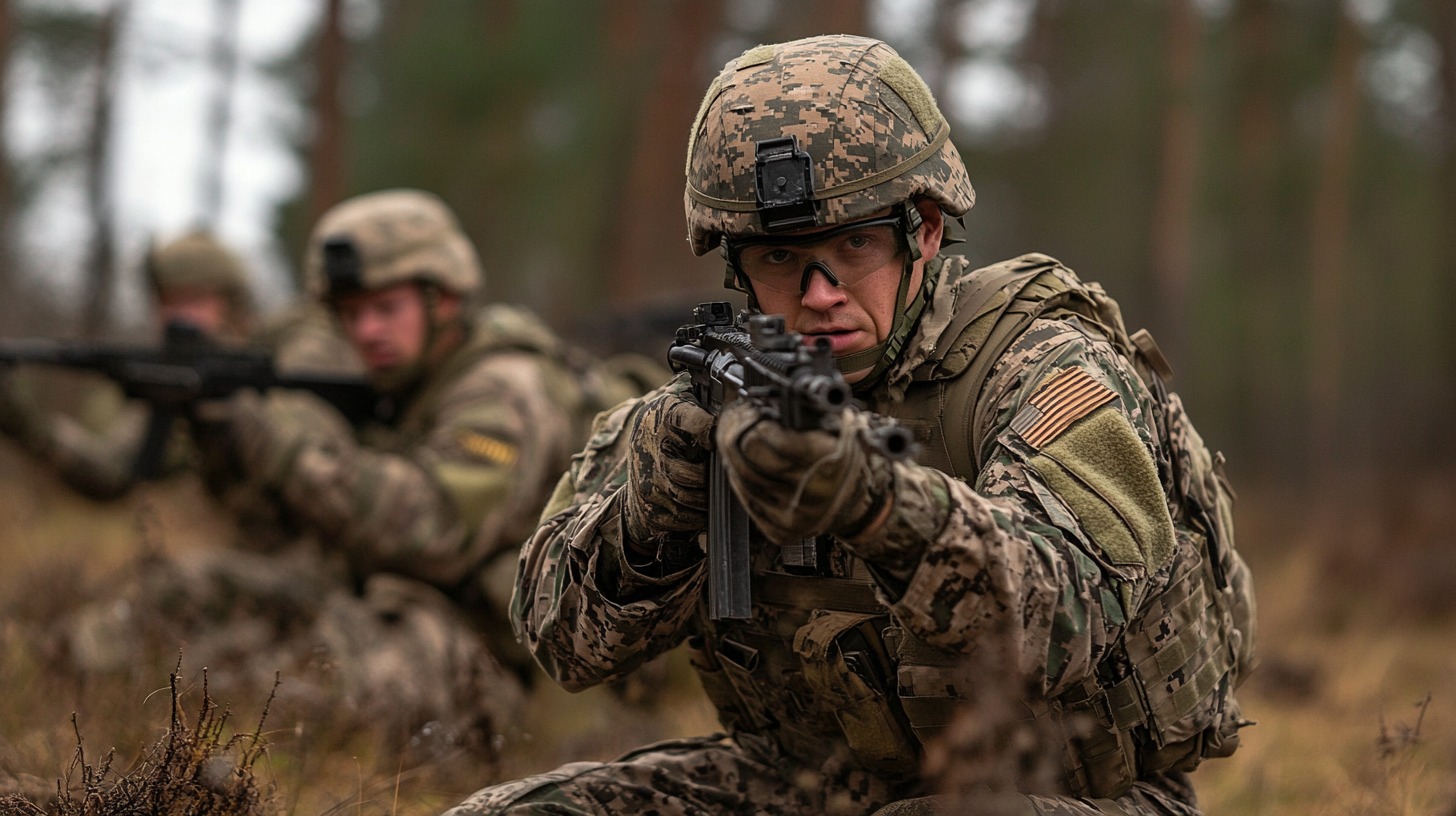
x=488, y=448
x=1064, y=399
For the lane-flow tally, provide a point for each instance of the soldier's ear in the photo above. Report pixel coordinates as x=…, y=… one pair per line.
x=932, y=227
x=447, y=305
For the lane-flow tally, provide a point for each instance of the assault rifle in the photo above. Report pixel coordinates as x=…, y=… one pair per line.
x=754, y=358
x=187, y=368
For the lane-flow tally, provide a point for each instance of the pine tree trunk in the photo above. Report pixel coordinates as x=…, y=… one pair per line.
x=1329, y=245
x=9, y=272
x=326, y=160
x=219, y=119
x=100, y=264
x=649, y=213
x=1173, y=207
x=1262, y=272
x=1441, y=431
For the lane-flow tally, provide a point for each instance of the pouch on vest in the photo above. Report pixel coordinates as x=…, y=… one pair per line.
x=726, y=673
x=843, y=659
x=1191, y=644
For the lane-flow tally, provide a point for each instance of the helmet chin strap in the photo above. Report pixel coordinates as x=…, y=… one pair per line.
x=410, y=374
x=884, y=353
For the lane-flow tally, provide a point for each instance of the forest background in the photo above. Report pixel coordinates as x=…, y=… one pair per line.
x=1268, y=185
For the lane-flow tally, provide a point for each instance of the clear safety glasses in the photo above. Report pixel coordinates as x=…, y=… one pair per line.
x=845, y=254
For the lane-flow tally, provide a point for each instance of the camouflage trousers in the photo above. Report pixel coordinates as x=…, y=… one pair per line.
x=711, y=775
x=392, y=653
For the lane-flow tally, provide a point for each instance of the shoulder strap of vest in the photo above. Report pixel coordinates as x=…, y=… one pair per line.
x=975, y=299
x=1028, y=287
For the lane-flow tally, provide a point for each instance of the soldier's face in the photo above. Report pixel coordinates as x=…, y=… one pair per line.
x=207, y=310
x=387, y=327
x=854, y=317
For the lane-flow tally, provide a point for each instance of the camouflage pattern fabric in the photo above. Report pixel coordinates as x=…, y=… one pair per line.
x=708, y=775
x=1165, y=795
x=396, y=655
x=369, y=570
x=857, y=108
x=399, y=236
x=1010, y=570
x=459, y=478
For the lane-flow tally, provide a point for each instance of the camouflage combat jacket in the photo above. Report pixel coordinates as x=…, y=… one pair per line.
x=459, y=474
x=1087, y=551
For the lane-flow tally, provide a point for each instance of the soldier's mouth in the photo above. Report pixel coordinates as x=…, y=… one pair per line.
x=840, y=340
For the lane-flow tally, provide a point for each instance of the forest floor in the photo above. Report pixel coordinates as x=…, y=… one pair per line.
x=1354, y=698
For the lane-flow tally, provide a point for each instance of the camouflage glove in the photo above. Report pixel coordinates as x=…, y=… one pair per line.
x=264, y=446
x=666, y=495
x=799, y=484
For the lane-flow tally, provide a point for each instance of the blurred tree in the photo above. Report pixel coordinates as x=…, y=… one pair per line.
x=949, y=45
x=794, y=19
x=326, y=158
x=1245, y=178
x=50, y=51
x=1260, y=318
x=651, y=175
x=100, y=264
x=1442, y=16
x=9, y=285
x=1329, y=237
x=1178, y=159
x=224, y=58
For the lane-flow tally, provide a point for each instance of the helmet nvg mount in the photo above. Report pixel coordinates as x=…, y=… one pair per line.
x=380, y=239
x=820, y=132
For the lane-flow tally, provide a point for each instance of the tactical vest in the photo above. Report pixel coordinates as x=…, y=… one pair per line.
x=594, y=385
x=1163, y=699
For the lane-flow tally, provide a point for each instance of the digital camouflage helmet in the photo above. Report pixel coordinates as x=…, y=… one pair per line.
x=199, y=262
x=379, y=239
x=817, y=133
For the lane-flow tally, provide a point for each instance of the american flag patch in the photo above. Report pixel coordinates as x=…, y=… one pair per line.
x=1067, y=398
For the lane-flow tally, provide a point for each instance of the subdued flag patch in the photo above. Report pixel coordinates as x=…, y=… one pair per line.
x=489, y=448
x=1064, y=399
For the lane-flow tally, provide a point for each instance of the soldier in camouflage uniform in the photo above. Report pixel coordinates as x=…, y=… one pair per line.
x=192, y=279
x=482, y=411
x=1063, y=534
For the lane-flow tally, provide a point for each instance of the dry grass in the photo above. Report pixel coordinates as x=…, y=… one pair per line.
x=1355, y=697
x=59, y=551
x=197, y=767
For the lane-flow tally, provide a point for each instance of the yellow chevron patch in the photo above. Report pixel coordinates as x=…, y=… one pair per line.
x=489, y=448
x=1064, y=399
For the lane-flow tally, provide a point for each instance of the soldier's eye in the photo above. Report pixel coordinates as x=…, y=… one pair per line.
x=768, y=256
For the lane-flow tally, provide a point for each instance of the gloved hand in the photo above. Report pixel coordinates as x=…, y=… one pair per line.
x=263, y=444
x=798, y=484
x=667, y=486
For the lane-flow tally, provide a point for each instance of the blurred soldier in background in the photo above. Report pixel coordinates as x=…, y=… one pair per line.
x=193, y=279
x=424, y=510
x=372, y=565
x=1056, y=566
